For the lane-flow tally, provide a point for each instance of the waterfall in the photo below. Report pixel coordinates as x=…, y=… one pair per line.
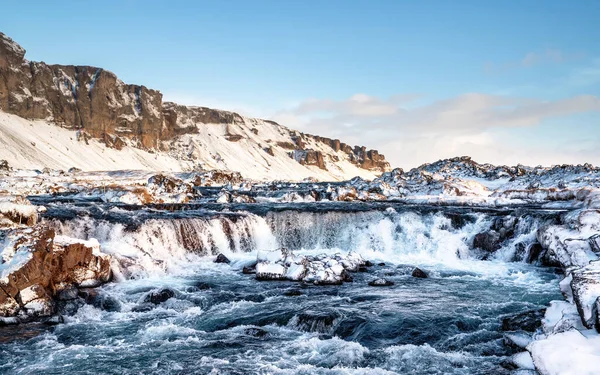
x=170, y=245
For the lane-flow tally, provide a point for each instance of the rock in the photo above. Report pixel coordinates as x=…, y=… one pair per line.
x=222, y=259
x=52, y=264
x=347, y=278
x=598, y=314
x=270, y=271
x=381, y=264
x=54, y=320
x=74, y=170
x=159, y=296
x=203, y=286
x=4, y=167
x=533, y=252
x=100, y=300
x=17, y=211
x=527, y=321
x=316, y=321
x=69, y=293
x=293, y=293
x=282, y=264
x=168, y=189
x=585, y=287
x=487, y=241
x=381, y=282
x=249, y=270
x=419, y=273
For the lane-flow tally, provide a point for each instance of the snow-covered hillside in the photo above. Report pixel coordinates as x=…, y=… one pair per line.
x=264, y=155
x=63, y=116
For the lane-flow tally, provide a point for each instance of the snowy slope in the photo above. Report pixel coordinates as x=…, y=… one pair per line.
x=29, y=144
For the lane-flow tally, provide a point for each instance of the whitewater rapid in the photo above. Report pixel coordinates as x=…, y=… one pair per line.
x=223, y=321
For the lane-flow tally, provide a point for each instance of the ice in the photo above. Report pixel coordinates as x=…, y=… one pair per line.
x=567, y=353
x=523, y=360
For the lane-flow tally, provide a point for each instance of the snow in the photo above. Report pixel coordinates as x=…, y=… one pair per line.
x=523, y=360
x=266, y=270
x=519, y=339
x=31, y=293
x=36, y=144
x=91, y=243
x=567, y=353
x=11, y=260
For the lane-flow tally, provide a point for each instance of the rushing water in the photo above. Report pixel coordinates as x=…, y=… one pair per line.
x=224, y=322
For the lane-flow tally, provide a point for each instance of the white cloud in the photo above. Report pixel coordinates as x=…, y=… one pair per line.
x=410, y=134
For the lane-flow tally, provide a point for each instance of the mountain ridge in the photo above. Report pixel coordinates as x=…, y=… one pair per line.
x=97, y=105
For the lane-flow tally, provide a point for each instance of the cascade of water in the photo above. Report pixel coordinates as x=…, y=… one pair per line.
x=168, y=245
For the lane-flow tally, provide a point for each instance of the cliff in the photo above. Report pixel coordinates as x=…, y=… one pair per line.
x=97, y=105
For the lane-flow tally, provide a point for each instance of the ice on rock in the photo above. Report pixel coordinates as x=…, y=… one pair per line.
x=565, y=288
x=523, y=360
x=586, y=290
x=561, y=316
x=322, y=269
x=567, y=353
x=270, y=271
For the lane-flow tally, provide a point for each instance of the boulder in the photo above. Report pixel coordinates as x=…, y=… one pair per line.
x=488, y=241
x=159, y=296
x=316, y=320
x=419, y=273
x=585, y=286
x=39, y=266
x=282, y=264
x=527, y=321
x=222, y=259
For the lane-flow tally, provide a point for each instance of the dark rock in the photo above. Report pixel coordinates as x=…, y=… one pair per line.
x=100, y=301
x=143, y=307
x=222, y=259
x=203, y=286
x=293, y=293
x=419, y=273
x=74, y=170
x=249, y=270
x=381, y=264
x=54, y=320
x=317, y=321
x=69, y=293
x=368, y=263
x=363, y=269
x=527, y=321
x=487, y=241
x=69, y=307
x=4, y=167
x=533, y=252
x=347, y=277
x=159, y=296
x=381, y=282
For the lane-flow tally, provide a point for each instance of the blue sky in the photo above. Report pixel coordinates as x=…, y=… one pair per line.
x=504, y=81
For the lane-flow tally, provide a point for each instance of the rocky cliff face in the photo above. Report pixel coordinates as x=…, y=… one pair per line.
x=99, y=105
x=36, y=267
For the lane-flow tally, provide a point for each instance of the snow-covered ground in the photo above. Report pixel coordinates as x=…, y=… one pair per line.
x=35, y=144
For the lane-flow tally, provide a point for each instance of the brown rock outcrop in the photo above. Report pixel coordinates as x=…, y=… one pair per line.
x=36, y=266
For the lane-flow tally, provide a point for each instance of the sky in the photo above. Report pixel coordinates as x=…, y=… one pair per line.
x=504, y=82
